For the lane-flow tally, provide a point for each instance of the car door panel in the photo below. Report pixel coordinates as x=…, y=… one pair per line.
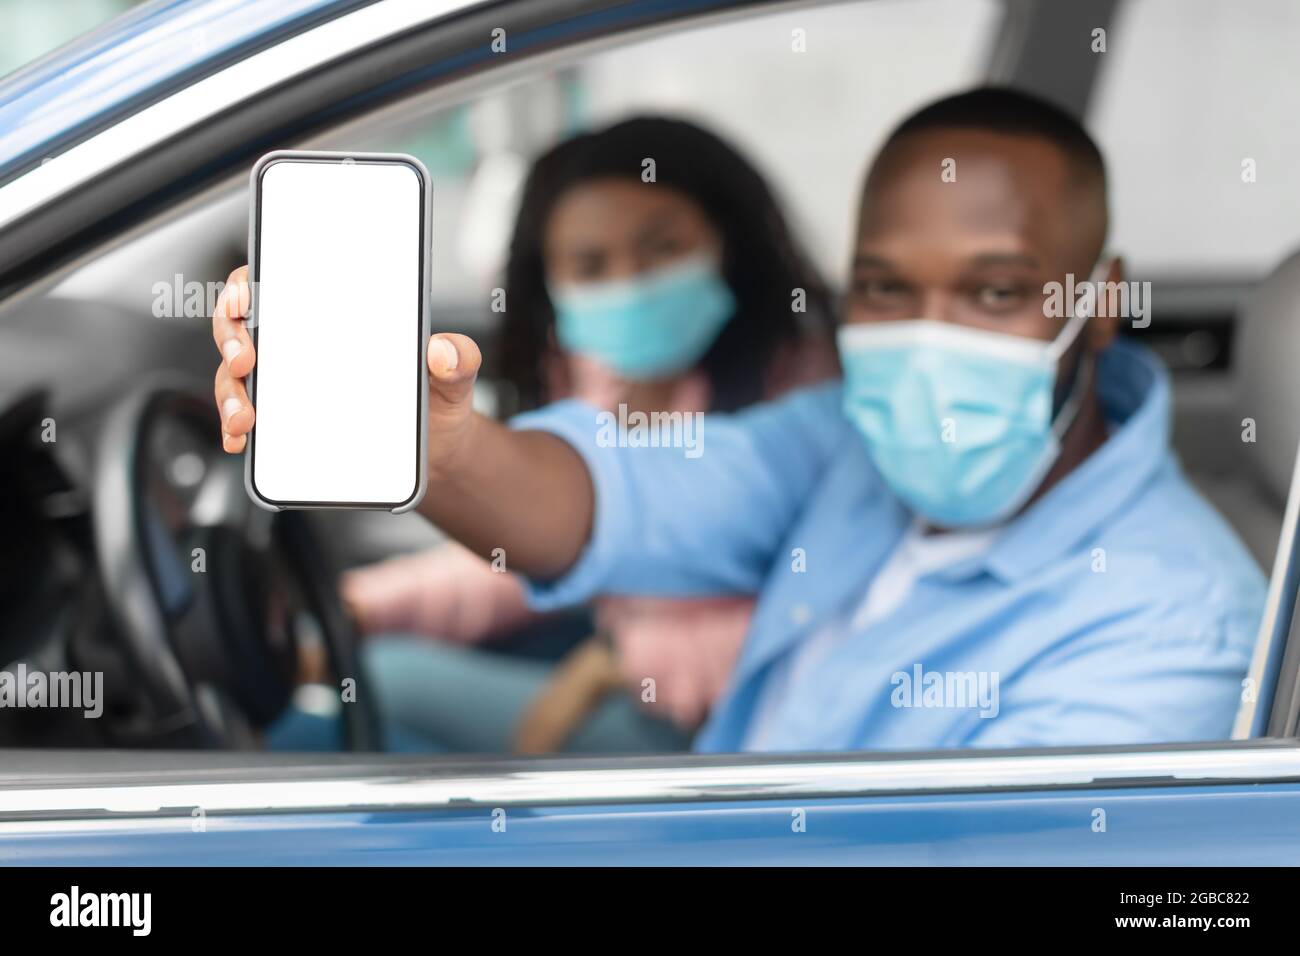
x=1232, y=826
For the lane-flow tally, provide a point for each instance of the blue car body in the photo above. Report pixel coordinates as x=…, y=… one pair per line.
x=116, y=69
x=1201, y=826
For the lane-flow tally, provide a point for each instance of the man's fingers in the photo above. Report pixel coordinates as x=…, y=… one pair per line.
x=228, y=328
x=237, y=359
x=236, y=411
x=453, y=362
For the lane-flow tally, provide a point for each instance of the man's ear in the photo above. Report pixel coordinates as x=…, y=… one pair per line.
x=1103, y=327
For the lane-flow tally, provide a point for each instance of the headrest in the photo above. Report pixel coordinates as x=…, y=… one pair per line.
x=1267, y=364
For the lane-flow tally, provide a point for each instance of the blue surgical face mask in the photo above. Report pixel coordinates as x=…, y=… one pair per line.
x=959, y=421
x=652, y=325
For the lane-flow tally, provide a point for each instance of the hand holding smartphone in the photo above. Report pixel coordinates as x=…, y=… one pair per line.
x=339, y=250
x=344, y=438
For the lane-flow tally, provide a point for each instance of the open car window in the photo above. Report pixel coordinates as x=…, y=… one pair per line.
x=808, y=96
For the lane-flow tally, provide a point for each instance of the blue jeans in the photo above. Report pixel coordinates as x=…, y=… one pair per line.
x=436, y=697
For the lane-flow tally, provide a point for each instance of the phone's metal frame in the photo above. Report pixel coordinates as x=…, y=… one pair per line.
x=426, y=247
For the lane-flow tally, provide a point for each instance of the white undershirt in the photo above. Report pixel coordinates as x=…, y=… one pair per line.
x=916, y=555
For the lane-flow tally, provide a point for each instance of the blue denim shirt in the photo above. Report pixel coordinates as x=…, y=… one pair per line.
x=1118, y=608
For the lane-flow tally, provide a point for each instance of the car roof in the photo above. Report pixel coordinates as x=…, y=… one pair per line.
x=133, y=60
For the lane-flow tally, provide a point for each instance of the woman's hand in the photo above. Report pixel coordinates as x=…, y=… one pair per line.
x=446, y=592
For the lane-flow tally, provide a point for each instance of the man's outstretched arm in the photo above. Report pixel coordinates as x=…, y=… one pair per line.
x=527, y=492
x=554, y=490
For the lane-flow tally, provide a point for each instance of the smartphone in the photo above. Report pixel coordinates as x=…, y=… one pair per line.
x=339, y=248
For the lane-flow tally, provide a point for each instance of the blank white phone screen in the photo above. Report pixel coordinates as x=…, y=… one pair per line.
x=338, y=333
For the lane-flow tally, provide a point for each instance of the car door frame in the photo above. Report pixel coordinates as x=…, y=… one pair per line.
x=1049, y=807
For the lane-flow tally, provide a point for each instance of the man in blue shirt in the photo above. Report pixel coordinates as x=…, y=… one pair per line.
x=979, y=538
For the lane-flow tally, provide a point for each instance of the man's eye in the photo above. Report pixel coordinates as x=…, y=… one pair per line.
x=587, y=268
x=1000, y=296
x=665, y=246
x=877, y=289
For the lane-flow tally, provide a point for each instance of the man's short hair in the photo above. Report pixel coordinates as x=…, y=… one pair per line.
x=1002, y=110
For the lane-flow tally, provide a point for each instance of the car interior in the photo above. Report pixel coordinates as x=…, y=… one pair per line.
x=114, y=480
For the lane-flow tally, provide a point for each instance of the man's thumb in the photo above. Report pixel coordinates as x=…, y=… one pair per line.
x=453, y=362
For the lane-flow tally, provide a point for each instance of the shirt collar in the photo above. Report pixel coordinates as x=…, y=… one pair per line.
x=1134, y=391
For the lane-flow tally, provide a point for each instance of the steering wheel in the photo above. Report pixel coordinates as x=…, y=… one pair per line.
x=218, y=602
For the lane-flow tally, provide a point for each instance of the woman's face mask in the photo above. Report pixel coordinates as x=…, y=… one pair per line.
x=652, y=325
x=958, y=420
